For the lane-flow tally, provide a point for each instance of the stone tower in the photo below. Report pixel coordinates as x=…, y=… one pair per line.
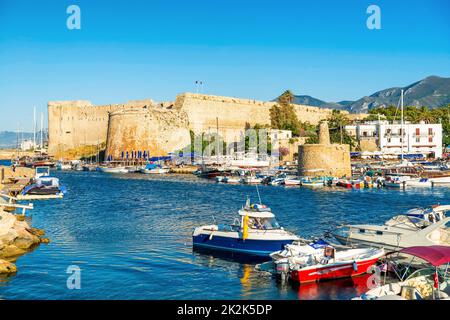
x=324, y=133
x=324, y=158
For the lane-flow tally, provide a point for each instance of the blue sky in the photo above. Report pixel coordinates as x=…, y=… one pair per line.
x=156, y=49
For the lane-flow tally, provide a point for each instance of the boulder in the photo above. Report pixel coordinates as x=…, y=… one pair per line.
x=7, y=267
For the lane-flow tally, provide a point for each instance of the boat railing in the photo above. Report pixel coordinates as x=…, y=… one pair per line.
x=11, y=204
x=370, y=232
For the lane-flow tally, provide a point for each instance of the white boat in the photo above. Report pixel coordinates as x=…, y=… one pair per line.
x=63, y=165
x=426, y=283
x=276, y=181
x=252, y=180
x=418, y=227
x=396, y=181
x=154, y=169
x=233, y=180
x=299, y=248
x=329, y=264
x=313, y=183
x=292, y=181
x=112, y=169
x=440, y=180
x=419, y=183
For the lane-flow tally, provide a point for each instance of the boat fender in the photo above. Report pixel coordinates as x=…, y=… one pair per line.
x=355, y=266
x=211, y=236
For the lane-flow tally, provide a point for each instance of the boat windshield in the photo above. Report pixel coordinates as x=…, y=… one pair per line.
x=264, y=223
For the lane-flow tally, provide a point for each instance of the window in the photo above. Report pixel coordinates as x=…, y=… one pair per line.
x=389, y=140
x=430, y=131
x=430, y=139
x=417, y=131
x=417, y=139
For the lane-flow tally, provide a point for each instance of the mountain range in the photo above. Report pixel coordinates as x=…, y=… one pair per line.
x=8, y=139
x=432, y=92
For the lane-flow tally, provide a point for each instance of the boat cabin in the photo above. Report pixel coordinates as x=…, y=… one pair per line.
x=41, y=172
x=258, y=217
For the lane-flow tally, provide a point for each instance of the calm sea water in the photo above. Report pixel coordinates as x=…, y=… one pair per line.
x=131, y=237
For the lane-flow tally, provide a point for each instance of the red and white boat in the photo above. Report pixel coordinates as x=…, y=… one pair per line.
x=332, y=264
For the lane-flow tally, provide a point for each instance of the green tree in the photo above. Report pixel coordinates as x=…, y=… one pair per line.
x=283, y=116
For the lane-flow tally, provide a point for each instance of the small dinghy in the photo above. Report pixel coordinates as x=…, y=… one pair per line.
x=256, y=232
x=331, y=264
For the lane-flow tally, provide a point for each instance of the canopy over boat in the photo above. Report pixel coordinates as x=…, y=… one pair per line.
x=256, y=214
x=435, y=255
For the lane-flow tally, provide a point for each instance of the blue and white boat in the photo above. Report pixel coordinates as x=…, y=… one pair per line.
x=255, y=232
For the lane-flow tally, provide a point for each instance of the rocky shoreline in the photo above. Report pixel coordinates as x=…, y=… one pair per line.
x=17, y=237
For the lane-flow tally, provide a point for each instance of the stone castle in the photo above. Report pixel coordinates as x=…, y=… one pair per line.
x=160, y=128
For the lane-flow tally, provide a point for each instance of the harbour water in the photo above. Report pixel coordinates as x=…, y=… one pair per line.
x=131, y=237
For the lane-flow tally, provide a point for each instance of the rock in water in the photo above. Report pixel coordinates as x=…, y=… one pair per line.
x=7, y=267
x=16, y=238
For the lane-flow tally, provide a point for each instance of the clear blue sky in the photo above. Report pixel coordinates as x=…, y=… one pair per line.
x=156, y=49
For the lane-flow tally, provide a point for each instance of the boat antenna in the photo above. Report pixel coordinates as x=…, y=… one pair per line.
x=259, y=197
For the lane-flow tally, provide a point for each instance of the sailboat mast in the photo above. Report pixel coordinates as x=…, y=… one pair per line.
x=402, y=124
x=42, y=130
x=34, y=128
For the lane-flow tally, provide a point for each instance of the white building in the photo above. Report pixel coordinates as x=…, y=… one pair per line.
x=26, y=145
x=420, y=138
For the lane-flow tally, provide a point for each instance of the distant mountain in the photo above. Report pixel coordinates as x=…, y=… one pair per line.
x=8, y=139
x=432, y=92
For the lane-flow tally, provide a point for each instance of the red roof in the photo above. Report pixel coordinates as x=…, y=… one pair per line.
x=436, y=255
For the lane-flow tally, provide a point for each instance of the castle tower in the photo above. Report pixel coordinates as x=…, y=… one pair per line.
x=324, y=158
x=324, y=133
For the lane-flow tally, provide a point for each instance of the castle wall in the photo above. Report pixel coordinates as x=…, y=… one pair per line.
x=232, y=114
x=156, y=131
x=73, y=124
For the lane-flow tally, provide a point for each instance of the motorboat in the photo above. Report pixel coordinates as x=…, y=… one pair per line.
x=292, y=181
x=44, y=187
x=396, y=181
x=63, y=165
x=299, y=248
x=333, y=264
x=255, y=232
x=431, y=282
x=419, y=183
x=344, y=183
x=41, y=172
x=154, y=169
x=276, y=181
x=313, y=183
x=233, y=179
x=252, y=180
x=444, y=180
x=118, y=169
x=421, y=226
